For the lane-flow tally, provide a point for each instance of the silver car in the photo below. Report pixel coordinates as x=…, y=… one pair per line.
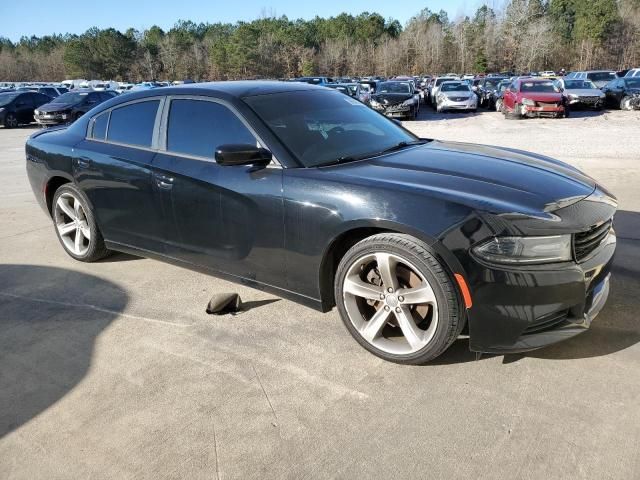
x=456, y=96
x=581, y=93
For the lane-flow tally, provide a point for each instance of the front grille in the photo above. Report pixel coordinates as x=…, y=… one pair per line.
x=459, y=99
x=547, y=322
x=543, y=104
x=589, y=99
x=585, y=243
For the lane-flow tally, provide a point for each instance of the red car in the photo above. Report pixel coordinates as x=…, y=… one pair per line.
x=530, y=97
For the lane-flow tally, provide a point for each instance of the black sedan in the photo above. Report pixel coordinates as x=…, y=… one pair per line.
x=17, y=108
x=70, y=106
x=396, y=99
x=305, y=192
x=623, y=93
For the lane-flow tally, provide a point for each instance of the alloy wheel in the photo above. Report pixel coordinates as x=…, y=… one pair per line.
x=71, y=222
x=390, y=303
x=11, y=121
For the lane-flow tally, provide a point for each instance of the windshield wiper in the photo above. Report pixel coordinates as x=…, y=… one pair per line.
x=400, y=146
x=354, y=158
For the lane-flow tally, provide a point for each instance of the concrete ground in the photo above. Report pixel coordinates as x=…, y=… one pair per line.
x=113, y=370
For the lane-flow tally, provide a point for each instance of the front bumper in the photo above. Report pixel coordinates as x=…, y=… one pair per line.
x=586, y=101
x=522, y=309
x=52, y=119
x=542, y=111
x=394, y=110
x=471, y=104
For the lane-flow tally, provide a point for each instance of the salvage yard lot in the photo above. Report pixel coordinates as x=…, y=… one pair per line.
x=114, y=370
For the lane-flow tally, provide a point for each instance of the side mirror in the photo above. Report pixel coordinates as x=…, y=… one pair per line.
x=242, y=154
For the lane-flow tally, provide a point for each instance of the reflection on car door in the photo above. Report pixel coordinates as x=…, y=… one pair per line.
x=228, y=218
x=113, y=168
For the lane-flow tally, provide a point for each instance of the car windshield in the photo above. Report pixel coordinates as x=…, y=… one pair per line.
x=601, y=76
x=394, y=87
x=341, y=88
x=312, y=81
x=7, y=98
x=493, y=83
x=503, y=86
x=441, y=80
x=632, y=82
x=455, y=87
x=325, y=127
x=578, y=84
x=353, y=88
x=71, y=97
x=542, y=87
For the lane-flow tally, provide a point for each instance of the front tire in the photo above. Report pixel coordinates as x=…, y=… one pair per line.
x=396, y=299
x=75, y=225
x=625, y=103
x=11, y=121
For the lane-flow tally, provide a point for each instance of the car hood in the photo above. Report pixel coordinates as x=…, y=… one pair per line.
x=54, y=107
x=391, y=98
x=542, y=97
x=584, y=92
x=493, y=179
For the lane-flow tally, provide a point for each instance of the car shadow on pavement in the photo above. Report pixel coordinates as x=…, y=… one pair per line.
x=49, y=321
x=616, y=328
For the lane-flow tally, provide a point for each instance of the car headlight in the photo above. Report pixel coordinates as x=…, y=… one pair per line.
x=374, y=103
x=573, y=96
x=528, y=101
x=525, y=250
x=407, y=103
x=1, y=109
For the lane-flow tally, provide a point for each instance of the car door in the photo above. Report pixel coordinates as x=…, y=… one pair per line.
x=91, y=100
x=509, y=97
x=228, y=218
x=112, y=165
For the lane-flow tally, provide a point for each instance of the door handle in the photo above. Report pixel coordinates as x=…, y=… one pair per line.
x=163, y=181
x=83, y=162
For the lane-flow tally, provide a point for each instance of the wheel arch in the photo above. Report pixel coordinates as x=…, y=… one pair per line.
x=354, y=232
x=52, y=185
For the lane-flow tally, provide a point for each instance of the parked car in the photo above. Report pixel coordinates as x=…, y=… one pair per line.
x=435, y=87
x=70, y=106
x=623, y=93
x=327, y=203
x=49, y=91
x=16, y=108
x=531, y=97
x=486, y=91
x=499, y=94
x=582, y=93
x=145, y=86
x=547, y=73
x=396, y=99
x=342, y=88
x=634, y=72
x=456, y=96
x=365, y=93
x=599, y=77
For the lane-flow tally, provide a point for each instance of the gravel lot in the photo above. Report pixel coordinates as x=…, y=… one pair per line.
x=113, y=370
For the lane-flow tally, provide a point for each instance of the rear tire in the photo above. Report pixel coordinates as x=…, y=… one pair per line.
x=75, y=225
x=396, y=299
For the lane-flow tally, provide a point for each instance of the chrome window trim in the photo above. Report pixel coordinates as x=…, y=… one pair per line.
x=164, y=124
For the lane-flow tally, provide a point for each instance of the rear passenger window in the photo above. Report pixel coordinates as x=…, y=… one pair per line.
x=100, y=126
x=198, y=127
x=133, y=124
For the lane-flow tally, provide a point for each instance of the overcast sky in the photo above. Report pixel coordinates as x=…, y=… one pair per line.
x=28, y=17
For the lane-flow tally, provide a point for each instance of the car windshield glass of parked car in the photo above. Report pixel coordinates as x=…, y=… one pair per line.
x=632, y=82
x=542, y=87
x=325, y=127
x=493, y=83
x=455, y=87
x=601, y=76
x=578, y=84
x=7, y=98
x=71, y=97
x=394, y=87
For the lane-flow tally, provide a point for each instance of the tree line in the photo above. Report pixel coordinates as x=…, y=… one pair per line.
x=522, y=36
